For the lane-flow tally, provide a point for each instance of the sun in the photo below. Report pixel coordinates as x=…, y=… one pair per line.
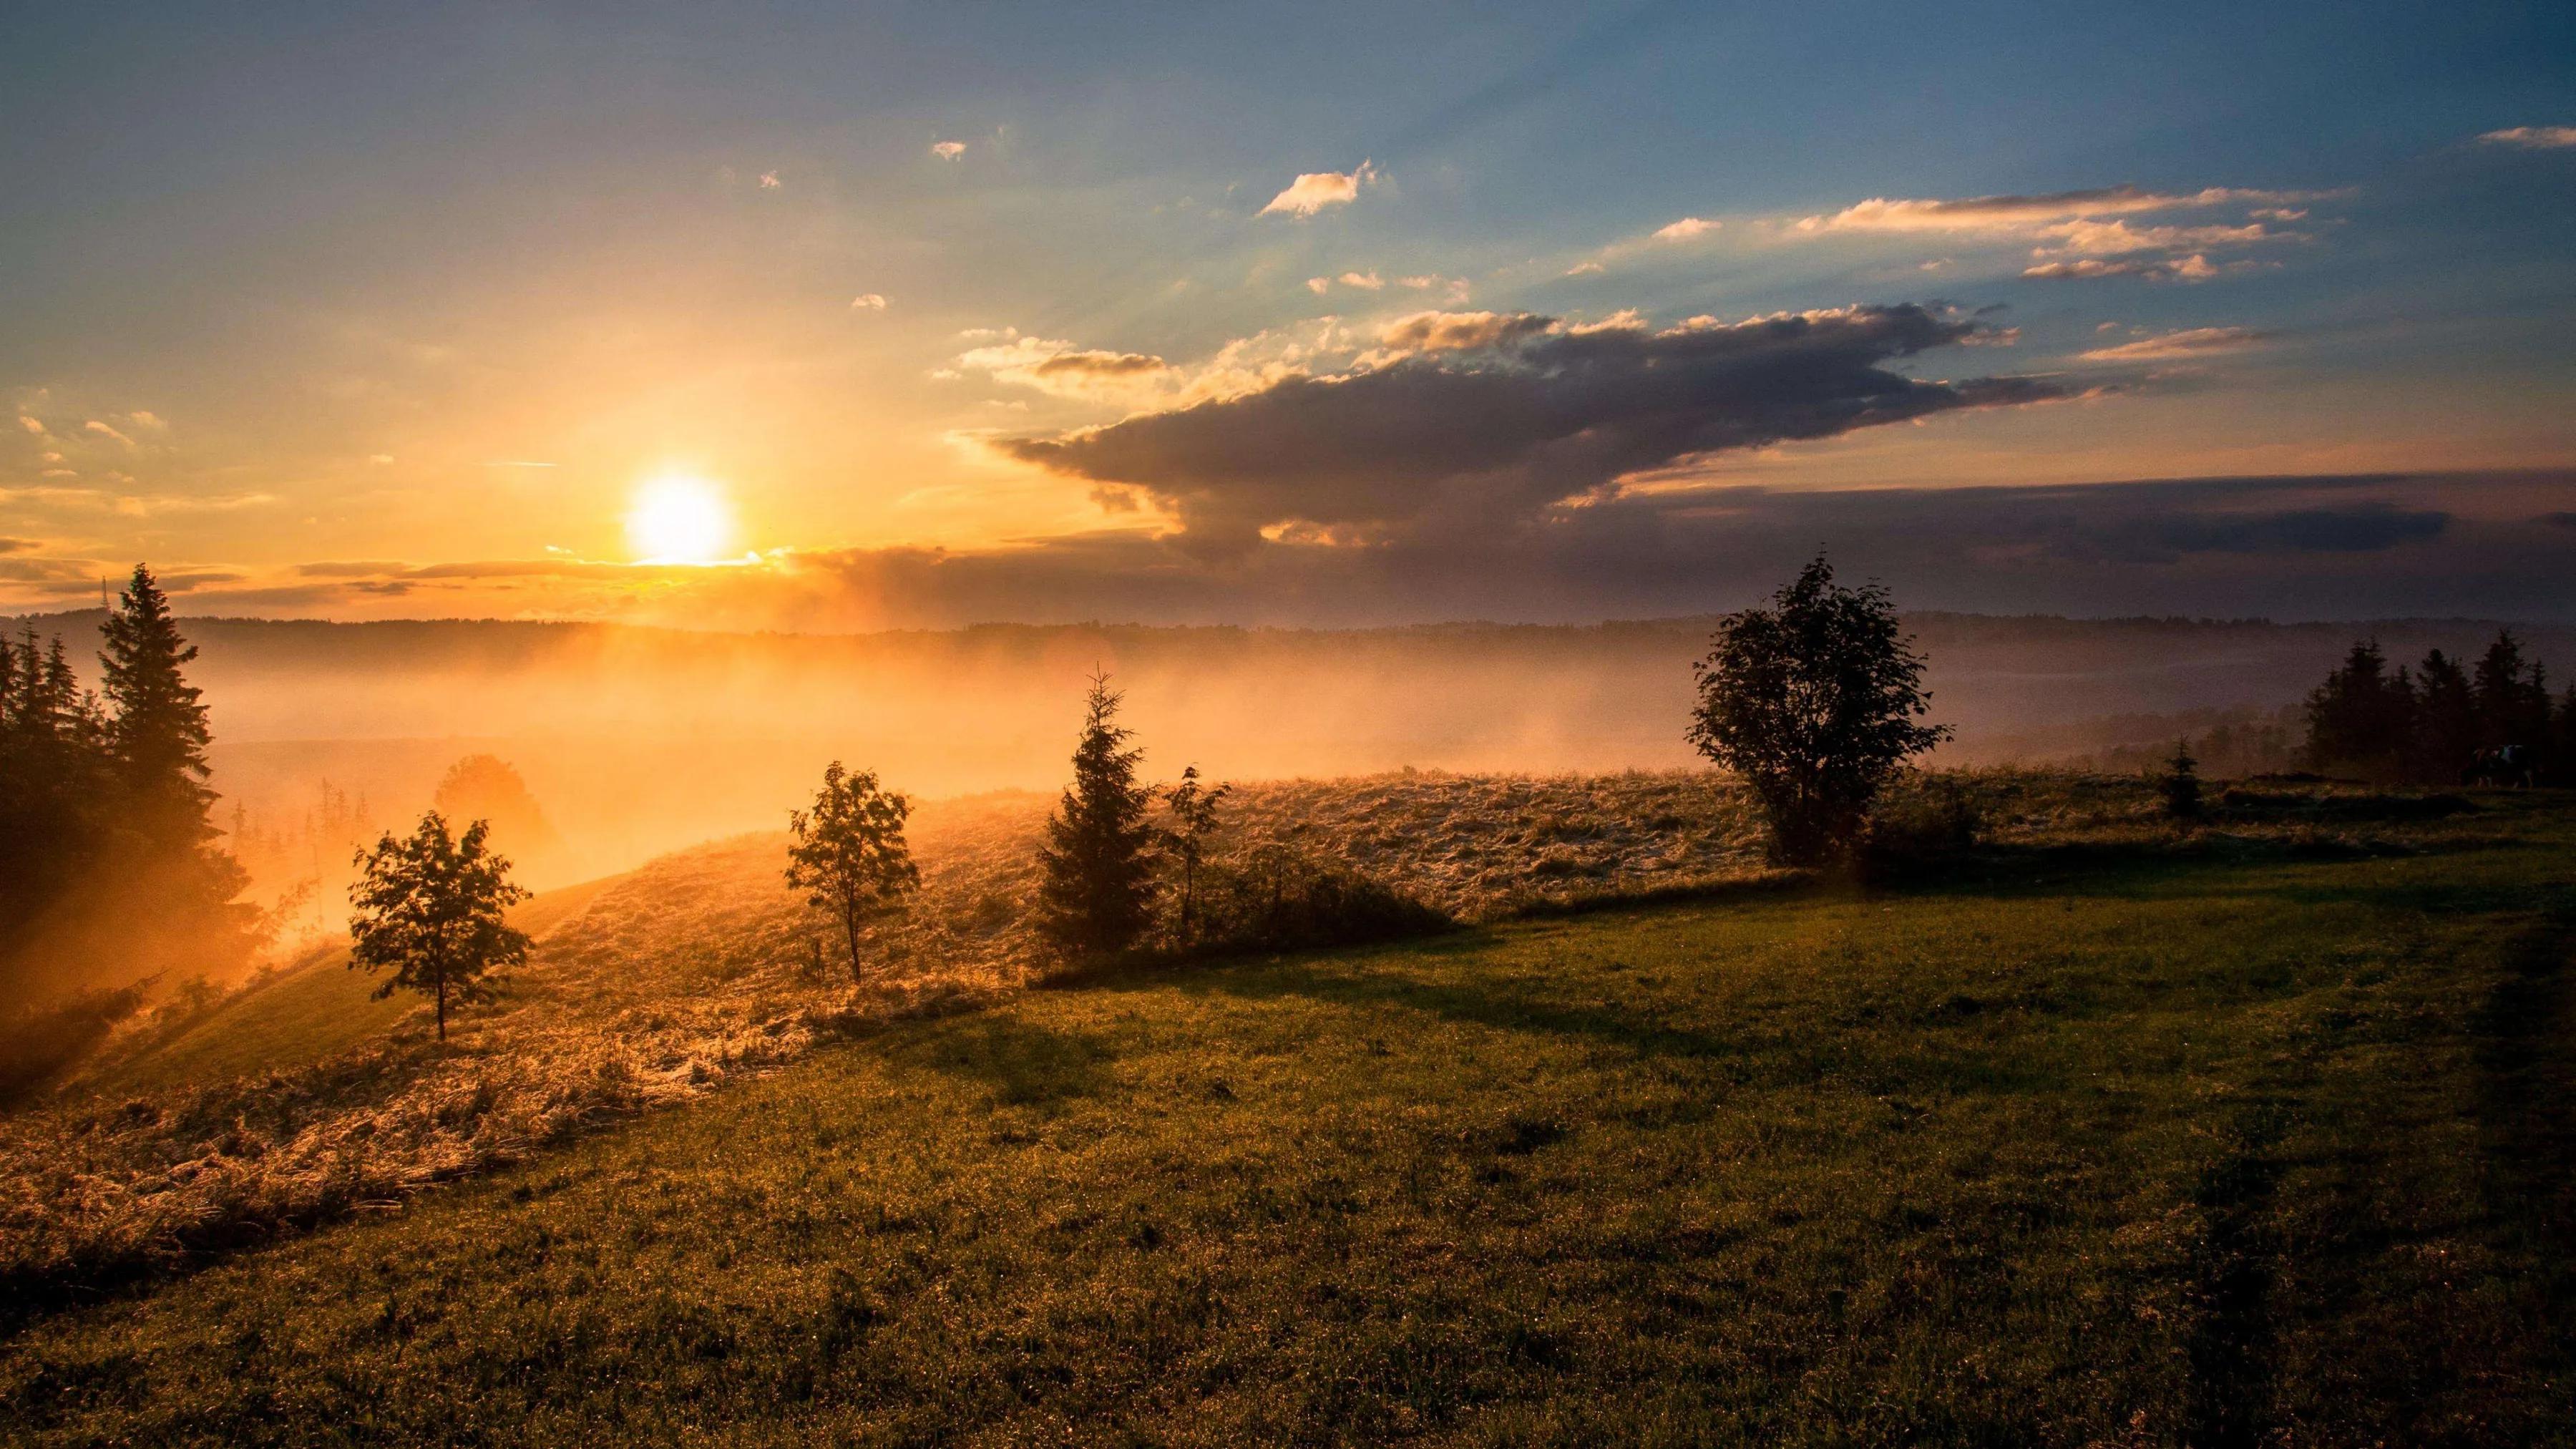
x=677, y=518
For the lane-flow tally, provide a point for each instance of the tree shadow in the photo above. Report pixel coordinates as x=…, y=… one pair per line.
x=1021, y=1063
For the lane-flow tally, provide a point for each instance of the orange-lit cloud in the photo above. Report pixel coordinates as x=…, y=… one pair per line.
x=1313, y=191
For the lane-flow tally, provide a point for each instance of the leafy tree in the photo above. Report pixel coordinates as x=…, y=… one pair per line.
x=1097, y=895
x=487, y=787
x=2181, y=783
x=1815, y=702
x=158, y=733
x=430, y=908
x=850, y=857
x=1194, y=810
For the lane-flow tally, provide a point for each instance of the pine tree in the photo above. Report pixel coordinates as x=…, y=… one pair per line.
x=157, y=729
x=2362, y=717
x=2446, y=721
x=2181, y=784
x=1097, y=897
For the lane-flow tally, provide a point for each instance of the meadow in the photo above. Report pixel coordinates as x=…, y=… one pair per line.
x=2110, y=1132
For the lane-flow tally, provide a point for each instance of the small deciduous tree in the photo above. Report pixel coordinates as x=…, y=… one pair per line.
x=1097, y=894
x=1815, y=702
x=430, y=908
x=1194, y=808
x=850, y=857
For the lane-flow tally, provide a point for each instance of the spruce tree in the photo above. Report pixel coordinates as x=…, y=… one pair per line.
x=157, y=727
x=1097, y=897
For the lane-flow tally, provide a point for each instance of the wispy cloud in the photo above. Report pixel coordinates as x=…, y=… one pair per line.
x=2194, y=268
x=947, y=150
x=2006, y=213
x=1312, y=191
x=868, y=302
x=2533, y=138
x=1685, y=229
x=2189, y=343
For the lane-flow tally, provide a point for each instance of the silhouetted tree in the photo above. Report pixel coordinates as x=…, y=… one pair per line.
x=2446, y=721
x=1194, y=809
x=2181, y=784
x=1097, y=895
x=431, y=908
x=1815, y=702
x=2513, y=697
x=487, y=787
x=2361, y=717
x=850, y=857
x=158, y=730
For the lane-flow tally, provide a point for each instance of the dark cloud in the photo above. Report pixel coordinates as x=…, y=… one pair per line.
x=2336, y=547
x=1490, y=418
x=17, y=545
x=2371, y=528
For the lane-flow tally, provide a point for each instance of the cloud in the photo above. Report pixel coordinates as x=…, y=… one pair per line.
x=1584, y=269
x=31, y=425
x=1095, y=363
x=17, y=545
x=1312, y=191
x=2193, y=268
x=1685, y=229
x=948, y=150
x=1488, y=419
x=104, y=431
x=769, y=181
x=2115, y=237
x=868, y=302
x=1365, y=281
x=1054, y=366
x=1451, y=331
x=1990, y=213
x=2533, y=138
x=2192, y=342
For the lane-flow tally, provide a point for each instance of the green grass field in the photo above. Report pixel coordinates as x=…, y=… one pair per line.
x=2226, y=1148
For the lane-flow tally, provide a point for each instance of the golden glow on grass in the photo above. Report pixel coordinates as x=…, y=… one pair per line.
x=679, y=518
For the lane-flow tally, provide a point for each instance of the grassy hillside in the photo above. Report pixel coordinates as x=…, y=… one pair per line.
x=2110, y=1139
x=306, y=1015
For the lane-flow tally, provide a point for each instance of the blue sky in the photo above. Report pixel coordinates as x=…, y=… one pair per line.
x=366, y=309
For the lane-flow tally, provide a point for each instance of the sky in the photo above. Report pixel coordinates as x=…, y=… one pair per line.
x=829, y=317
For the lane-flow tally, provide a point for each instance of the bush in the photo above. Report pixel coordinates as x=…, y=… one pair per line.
x=1272, y=898
x=1927, y=819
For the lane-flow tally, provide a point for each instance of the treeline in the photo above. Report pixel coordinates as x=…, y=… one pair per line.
x=2442, y=722
x=109, y=872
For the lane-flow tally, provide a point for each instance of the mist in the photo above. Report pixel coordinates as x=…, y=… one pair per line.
x=636, y=741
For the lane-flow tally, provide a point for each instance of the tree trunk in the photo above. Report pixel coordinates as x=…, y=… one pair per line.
x=850, y=928
x=442, y=1006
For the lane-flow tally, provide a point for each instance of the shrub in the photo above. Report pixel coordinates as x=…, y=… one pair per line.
x=1926, y=819
x=1273, y=898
